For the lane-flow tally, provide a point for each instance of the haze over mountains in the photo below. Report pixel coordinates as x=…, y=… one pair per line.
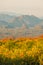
x=20, y=26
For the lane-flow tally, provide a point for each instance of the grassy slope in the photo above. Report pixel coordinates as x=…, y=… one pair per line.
x=21, y=51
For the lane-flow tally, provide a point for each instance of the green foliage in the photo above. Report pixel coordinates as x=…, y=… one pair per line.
x=9, y=44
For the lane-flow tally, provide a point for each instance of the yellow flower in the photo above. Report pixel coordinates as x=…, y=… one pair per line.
x=21, y=55
x=29, y=53
x=13, y=56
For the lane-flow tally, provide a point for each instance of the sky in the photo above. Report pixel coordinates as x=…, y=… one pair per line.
x=31, y=7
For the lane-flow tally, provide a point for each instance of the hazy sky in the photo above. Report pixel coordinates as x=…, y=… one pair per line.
x=34, y=7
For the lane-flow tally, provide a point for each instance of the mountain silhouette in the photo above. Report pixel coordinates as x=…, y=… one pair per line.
x=18, y=26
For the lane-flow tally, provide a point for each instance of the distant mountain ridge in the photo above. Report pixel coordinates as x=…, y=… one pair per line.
x=20, y=26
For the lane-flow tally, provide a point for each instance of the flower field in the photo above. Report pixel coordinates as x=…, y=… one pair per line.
x=24, y=51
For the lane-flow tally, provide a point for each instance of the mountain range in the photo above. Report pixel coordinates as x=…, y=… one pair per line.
x=20, y=26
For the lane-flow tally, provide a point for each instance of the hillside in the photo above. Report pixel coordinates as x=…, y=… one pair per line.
x=20, y=26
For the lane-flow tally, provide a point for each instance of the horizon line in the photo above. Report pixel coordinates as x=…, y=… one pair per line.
x=19, y=14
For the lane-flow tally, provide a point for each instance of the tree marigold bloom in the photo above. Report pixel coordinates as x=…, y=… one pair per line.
x=21, y=54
